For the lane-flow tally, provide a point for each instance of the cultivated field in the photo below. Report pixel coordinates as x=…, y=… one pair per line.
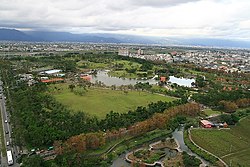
x=99, y=102
x=232, y=145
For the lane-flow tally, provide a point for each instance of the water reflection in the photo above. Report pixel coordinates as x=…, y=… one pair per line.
x=181, y=81
x=109, y=80
x=178, y=136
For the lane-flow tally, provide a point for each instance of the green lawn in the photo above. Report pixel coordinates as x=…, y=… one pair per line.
x=99, y=102
x=91, y=65
x=222, y=143
x=210, y=112
x=128, y=64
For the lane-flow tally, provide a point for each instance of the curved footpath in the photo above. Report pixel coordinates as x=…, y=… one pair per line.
x=190, y=138
x=147, y=164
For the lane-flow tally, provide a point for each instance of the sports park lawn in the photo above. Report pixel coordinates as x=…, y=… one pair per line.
x=99, y=102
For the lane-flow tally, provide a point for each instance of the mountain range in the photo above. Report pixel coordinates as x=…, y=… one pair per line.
x=47, y=36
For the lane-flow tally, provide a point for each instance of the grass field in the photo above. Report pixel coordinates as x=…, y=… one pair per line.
x=128, y=64
x=210, y=112
x=91, y=65
x=99, y=102
x=232, y=145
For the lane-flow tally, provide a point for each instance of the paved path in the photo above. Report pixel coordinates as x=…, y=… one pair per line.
x=189, y=135
x=244, y=150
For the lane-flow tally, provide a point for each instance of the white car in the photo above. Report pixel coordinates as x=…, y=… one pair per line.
x=6, y=121
x=7, y=143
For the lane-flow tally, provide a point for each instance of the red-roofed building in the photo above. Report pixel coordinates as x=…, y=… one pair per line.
x=206, y=124
x=87, y=77
x=52, y=80
x=163, y=79
x=174, y=53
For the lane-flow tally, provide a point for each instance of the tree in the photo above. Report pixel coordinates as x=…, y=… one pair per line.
x=71, y=87
x=34, y=160
x=228, y=106
x=200, y=81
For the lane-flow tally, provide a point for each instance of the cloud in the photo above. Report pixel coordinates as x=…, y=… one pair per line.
x=160, y=3
x=203, y=18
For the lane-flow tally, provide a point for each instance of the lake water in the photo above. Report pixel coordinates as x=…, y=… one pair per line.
x=109, y=80
x=181, y=81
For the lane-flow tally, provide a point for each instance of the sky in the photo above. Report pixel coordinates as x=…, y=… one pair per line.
x=228, y=19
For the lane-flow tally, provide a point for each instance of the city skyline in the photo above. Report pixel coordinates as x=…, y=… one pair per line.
x=228, y=19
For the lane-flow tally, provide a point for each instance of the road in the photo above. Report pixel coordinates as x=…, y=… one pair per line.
x=7, y=131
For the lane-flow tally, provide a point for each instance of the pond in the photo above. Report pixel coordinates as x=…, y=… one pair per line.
x=109, y=80
x=178, y=136
x=181, y=81
x=121, y=161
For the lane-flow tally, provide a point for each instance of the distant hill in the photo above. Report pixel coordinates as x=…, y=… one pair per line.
x=69, y=37
x=44, y=36
x=14, y=35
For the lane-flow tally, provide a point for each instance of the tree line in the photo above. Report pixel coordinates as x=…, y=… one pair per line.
x=83, y=142
x=40, y=119
x=214, y=97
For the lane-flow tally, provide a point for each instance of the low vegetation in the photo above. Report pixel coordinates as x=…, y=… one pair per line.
x=190, y=160
x=199, y=152
x=231, y=145
x=211, y=112
x=99, y=102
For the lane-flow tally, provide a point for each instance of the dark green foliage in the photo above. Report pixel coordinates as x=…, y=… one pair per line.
x=142, y=86
x=230, y=119
x=132, y=70
x=79, y=160
x=40, y=120
x=34, y=160
x=146, y=66
x=190, y=161
x=117, y=120
x=200, y=81
x=213, y=97
x=175, y=122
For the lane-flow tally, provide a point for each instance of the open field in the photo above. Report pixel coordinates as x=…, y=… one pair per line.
x=99, y=102
x=210, y=112
x=127, y=64
x=91, y=65
x=232, y=145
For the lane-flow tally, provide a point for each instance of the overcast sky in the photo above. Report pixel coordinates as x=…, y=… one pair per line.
x=185, y=18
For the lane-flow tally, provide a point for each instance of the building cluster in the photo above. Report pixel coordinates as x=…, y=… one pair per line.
x=229, y=60
x=225, y=60
x=140, y=54
x=36, y=47
x=209, y=124
x=47, y=76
